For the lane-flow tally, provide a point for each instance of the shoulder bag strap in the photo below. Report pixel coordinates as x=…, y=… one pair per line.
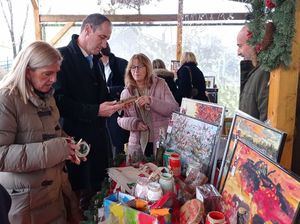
x=191, y=77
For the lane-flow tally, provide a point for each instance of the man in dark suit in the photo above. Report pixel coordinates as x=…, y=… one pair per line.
x=114, y=71
x=81, y=96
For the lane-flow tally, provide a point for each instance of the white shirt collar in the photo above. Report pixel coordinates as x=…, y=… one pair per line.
x=83, y=51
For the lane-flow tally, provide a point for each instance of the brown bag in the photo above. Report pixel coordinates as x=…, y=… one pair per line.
x=194, y=91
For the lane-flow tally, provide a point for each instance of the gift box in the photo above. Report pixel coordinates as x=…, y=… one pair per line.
x=117, y=212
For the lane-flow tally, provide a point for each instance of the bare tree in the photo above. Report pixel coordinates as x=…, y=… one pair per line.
x=134, y=4
x=8, y=14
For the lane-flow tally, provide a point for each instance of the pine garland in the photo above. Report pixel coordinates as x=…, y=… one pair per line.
x=283, y=18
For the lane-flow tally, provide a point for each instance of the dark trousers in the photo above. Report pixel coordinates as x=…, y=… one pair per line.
x=118, y=135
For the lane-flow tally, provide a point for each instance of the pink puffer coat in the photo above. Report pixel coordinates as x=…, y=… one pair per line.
x=161, y=107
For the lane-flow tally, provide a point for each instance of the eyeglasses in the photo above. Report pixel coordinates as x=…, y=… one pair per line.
x=138, y=67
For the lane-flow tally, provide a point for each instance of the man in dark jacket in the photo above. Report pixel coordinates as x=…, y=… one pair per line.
x=114, y=71
x=81, y=96
x=254, y=80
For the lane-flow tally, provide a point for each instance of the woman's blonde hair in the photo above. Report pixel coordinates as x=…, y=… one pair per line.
x=36, y=55
x=187, y=57
x=158, y=63
x=144, y=60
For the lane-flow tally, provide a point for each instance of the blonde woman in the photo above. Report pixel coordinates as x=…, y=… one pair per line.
x=159, y=69
x=32, y=151
x=190, y=80
x=151, y=110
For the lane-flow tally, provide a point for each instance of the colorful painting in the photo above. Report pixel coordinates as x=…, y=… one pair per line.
x=193, y=139
x=267, y=140
x=267, y=192
x=116, y=211
x=207, y=112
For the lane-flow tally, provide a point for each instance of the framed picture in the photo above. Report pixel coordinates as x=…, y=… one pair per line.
x=210, y=113
x=175, y=65
x=207, y=112
x=210, y=82
x=267, y=192
x=267, y=140
x=193, y=139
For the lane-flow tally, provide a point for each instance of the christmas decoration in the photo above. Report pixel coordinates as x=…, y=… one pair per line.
x=272, y=30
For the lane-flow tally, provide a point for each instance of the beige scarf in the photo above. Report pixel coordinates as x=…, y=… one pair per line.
x=145, y=115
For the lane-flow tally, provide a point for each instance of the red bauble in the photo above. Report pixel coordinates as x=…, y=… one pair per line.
x=270, y=4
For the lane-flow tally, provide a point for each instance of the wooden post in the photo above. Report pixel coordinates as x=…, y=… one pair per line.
x=283, y=95
x=179, y=29
x=61, y=33
x=36, y=14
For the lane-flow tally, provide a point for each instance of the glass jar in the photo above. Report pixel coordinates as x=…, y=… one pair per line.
x=175, y=164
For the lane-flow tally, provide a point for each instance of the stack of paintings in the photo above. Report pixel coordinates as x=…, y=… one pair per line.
x=267, y=140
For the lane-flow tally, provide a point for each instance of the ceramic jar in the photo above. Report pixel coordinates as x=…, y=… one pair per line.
x=154, y=191
x=166, y=182
x=215, y=217
x=141, y=188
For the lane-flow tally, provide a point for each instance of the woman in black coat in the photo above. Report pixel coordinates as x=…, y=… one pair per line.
x=189, y=77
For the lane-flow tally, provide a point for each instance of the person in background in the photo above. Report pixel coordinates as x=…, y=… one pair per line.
x=5, y=203
x=81, y=96
x=254, y=81
x=114, y=70
x=159, y=69
x=32, y=149
x=190, y=80
x=151, y=110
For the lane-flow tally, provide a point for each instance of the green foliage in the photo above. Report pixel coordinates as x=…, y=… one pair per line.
x=97, y=201
x=283, y=17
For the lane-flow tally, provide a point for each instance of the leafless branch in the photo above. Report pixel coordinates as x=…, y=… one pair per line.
x=23, y=30
x=4, y=14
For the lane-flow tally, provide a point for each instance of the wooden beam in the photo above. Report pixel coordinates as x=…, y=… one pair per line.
x=61, y=33
x=283, y=95
x=149, y=17
x=36, y=15
x=179, y=30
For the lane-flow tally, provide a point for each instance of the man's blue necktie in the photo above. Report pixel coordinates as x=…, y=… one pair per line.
x=90, y=60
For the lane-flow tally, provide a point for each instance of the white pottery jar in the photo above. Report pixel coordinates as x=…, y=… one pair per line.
x=141, y=188
x=154, y=191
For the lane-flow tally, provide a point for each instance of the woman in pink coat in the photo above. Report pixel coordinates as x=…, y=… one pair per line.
x=152, y=109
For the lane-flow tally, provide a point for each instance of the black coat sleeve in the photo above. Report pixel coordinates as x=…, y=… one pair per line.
x=64, y=92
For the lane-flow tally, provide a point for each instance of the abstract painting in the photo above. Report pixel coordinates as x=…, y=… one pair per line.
x=267, y=140
x=208, y=112
x=267, y=192
x=193, y=139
